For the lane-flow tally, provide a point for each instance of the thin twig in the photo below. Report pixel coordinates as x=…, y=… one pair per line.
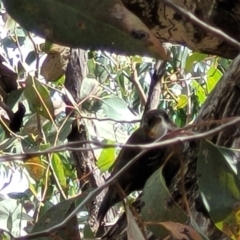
x=111, y=119
x=136, y=83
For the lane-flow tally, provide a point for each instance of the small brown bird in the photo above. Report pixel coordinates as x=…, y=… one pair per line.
x=155, y=125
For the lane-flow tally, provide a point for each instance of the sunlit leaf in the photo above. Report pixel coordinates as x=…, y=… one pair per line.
x=214, y=75
x=107, y=157
x=38, y=98
x=193, y=58
x=231, y=224
x=58, y=168
x=182, y=101
x=201, y=94
x=137, y=59
x=116, y=108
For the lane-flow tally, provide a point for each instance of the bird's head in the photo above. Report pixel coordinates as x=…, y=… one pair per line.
x=157, y=123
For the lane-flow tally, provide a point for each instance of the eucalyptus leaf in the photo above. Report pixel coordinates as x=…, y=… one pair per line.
x=39, y=98
x=59, y=170
x=107, y=157
x=159, y=205
x=214, y=75
x=56, y=214
x=116, y=108
x=219, y=185
x=182, y=101
x=200, y=92
x=66, y=22
x=193, y=58
x=60, y=135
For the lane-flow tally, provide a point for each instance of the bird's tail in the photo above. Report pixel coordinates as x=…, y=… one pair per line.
x=109, y=200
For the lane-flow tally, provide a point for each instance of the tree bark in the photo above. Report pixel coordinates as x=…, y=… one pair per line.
x=88, y=175
x=170, y=26
x=223, y=103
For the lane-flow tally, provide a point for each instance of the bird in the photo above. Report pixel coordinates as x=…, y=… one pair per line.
x=17, y=119
x=155, y=124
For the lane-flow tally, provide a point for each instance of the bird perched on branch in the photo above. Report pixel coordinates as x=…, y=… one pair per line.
x=155, y=125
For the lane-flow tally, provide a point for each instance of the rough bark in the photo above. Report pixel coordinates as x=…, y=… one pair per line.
x=169, y=26
x=88, y=176
x=222, y=103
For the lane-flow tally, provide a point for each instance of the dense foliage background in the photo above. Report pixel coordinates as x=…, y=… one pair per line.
x=112, y=99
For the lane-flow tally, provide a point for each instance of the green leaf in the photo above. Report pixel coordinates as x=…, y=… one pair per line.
x=10, y=222
x=55, y=215
x=91, y=66
x=137, y=59
x=30, y=57
x=10, y=23
x=200, y=92
x=66, y=22
x=58, y=168
x=182, y=101
x=218, y=183
x=24, y=216
x=60, y=81
x=159, y=205
x=7, y=143
x=231, y=158
x=38, y=98
x=123, y=82
x=58, y=213
x=134, y=230
x=88, y=233
x=107, y=157
x=90, y=86
x=14, y=97
x=114, y=107
x=106, y=130
x=214, y=75
x=54, y=136
x=195, y=57
x=10, y=209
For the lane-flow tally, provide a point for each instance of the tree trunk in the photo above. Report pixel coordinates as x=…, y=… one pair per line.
x=224, y=102
x=88, y=175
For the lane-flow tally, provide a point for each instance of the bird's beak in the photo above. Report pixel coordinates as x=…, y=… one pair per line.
x=161, y=128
